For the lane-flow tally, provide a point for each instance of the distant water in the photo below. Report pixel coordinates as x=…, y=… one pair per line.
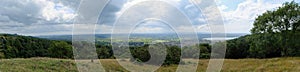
x=220, y=38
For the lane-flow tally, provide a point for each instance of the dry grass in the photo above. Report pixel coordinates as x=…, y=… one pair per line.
x=37, y=65
x=291, y=64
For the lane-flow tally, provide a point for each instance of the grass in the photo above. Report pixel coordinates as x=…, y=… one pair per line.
x=37, y=65
x=291, y=64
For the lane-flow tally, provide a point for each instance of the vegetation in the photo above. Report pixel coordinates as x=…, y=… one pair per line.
x=16, y=46
x=142, y=54
x=37, y=65
x=111, y=65
x=275, y=34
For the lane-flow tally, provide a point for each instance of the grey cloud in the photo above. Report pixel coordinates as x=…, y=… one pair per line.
x=20, y=11
x=70, y=3
x=24, y=17
x=16, y=15
x=108, y=15
x=4, y=18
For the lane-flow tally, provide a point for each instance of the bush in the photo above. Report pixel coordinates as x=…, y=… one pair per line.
x=141, y=54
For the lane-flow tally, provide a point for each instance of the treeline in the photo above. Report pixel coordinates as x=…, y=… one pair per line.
x=173, y=53
x=264, y=45
x=16, y=46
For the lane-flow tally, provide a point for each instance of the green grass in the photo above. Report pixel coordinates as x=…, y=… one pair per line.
x=291, y=64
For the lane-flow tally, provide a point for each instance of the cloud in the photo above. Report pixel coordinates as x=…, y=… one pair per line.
x=56, y=12
x=171, y=11
x=39, y=17
x=240, y=20
x=194, y=14
x=109, y=13
x=35, y=11
x=17, y=16
x=152, y=27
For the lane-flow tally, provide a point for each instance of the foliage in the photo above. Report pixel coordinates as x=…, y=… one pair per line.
x=275, y=34
x=104, y=51
x=230, y=65
x=141, y=54
x=60, y=49
x=284, y=18
x=238, y=48
x=16, y=46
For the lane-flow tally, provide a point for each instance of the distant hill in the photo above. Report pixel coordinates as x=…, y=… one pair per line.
x=163, y=36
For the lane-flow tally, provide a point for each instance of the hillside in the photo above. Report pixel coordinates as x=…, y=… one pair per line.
x=230, y=65
x=17, y=46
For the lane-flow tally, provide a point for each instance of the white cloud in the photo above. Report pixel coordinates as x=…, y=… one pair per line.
x=241, y=19
x=35, y=17
x=18, y=15
x=131, y=3
x=36, y=11
x=56, y=12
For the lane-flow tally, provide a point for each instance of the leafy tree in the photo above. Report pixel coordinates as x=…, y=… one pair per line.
x=280, y=28
x=238, y=48
x=275, y=34
x=284, y=18
x=141, y=54
x=190, y=51
x=104, y=52
x=60, y=50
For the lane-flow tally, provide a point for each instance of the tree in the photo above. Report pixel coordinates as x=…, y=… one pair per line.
x=104, y=52
x=279, y=26
x=141, y=54
x=275, y=33
x=238, y=48
x=284, y=18
x=60, y=49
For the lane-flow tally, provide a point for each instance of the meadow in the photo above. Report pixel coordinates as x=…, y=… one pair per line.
x=290, y=64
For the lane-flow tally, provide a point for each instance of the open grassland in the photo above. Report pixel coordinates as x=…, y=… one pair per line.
x=291, y=64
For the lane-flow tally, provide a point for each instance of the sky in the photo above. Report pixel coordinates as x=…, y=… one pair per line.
x=55, y=17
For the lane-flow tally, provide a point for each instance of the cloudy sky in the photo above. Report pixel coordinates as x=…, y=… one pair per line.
x=55, y=17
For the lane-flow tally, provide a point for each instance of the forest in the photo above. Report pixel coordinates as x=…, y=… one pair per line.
x=17, y=46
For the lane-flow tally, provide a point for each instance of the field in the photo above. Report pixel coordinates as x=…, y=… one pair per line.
x=291, y=64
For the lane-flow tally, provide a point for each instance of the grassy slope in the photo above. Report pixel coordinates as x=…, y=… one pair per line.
x=36, y=64
x=232, y=65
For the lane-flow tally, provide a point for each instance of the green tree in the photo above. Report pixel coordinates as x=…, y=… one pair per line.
x=284, y=18
x=280, y=27
x=104, y=52
x=238, y=48
x=60, y=49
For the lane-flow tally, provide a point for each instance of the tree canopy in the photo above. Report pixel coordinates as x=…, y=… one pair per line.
x=276, y=33
x=285, y=18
